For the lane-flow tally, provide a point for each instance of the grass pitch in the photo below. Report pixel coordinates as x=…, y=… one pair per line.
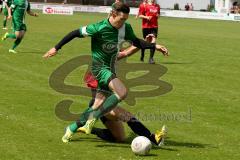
x=203, y=106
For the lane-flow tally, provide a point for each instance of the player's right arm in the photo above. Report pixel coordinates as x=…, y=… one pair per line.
x=85, y=31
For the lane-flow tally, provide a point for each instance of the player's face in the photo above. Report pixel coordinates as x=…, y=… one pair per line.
x=120, y=19
x=151, y=1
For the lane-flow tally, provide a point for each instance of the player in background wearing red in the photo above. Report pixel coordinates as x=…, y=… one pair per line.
x=149, y=14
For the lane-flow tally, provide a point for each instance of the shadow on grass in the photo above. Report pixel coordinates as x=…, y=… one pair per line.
x=32, y=52
x=163, y=148
x=176, y=62
x=168, y=143
x=122, y=145
x=186, y=144
x=90, y=139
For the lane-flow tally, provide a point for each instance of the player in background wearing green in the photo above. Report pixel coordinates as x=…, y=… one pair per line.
x=6, y=5
x=19, y=9
x=106, y=36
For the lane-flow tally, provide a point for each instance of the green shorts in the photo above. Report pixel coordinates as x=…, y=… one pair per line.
x=5, y=12
x=18, y=25
x=18, y=20
x=104, y=76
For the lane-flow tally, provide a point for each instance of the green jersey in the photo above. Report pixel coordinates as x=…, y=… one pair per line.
x=105, y=44
x=19, y=8
x=105, y=41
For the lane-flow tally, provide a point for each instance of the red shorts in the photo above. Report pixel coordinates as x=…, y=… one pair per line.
x=90, y=80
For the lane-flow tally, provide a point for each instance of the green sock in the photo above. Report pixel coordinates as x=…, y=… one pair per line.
x=16, y=43
x=73, y=127
x=11, y=35
x=84, y=116
x=107, y=106
x=4, y=23
x=82, y=120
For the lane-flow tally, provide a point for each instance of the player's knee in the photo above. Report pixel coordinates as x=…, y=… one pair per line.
x=18, y=36
x=123, y=94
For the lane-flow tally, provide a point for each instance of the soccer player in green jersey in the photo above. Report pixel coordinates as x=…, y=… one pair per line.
x=19, y=9
x=106, y=36
x=6, y=5
x=113, y=120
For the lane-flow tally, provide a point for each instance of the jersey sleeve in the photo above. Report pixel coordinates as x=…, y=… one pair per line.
x=14, y=4
x=130, y=35
x=90, y=30
x=141, y=10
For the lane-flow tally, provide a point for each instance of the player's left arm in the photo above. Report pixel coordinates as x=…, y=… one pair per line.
x=141, y=44
x=127, y=52
x=30, y=12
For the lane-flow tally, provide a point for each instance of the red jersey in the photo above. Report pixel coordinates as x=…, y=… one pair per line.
x=152, y=10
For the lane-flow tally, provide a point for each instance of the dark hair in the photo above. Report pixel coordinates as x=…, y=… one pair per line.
x=121, y=7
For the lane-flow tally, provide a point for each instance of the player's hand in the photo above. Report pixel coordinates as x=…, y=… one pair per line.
x=149, y=18
x=50, y=53
x=149, y=38
x=162, y=49
x=9, y=17
x=122, y=54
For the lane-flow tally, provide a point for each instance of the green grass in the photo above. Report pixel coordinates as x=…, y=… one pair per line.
x=203, y=69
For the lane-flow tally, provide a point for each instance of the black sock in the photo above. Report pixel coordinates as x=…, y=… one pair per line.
x=142, y=54
x=139, y=129
x=152, y=51
x=104, y=134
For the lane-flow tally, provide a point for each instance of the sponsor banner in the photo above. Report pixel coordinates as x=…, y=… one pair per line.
x=195, y=14
x=38, y=6
x=57, y=10
x=68, y=10
x=235, y=17
x=100, y=9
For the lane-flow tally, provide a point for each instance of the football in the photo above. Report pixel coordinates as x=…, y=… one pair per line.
x=141, y=145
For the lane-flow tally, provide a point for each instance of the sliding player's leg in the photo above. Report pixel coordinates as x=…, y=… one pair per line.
x=137, y=126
